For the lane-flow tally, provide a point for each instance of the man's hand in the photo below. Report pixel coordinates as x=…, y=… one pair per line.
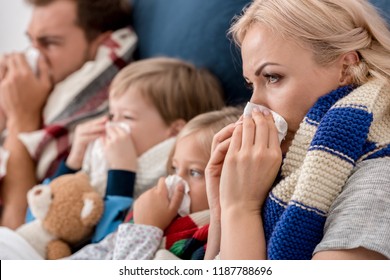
x=22, y=94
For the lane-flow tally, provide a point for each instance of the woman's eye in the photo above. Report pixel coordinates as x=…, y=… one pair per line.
x=272, y=78
x=110, y=117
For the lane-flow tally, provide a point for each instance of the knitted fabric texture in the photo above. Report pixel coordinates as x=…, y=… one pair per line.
x=185, y=237
x=342, y=129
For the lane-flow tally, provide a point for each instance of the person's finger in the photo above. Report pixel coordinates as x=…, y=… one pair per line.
x=273, y=138
x=86, y=129
x=261, y=136
x=21, y=61
x=236, y=139
x=110, y=134
x=44, y=72
x=11, y=64
x=222, y=135
x=177, y=198
x=114, y=131
x=101, y=119
x=161, y=183
x=248, y=132
x=219, y=153
x=3, y=67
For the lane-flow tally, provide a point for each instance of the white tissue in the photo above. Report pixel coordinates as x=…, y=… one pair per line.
x=32, y=55
x=123, y=125
x=280, y=123
x=171, y=183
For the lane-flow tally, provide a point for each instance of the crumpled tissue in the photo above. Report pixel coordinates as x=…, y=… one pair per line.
x=171, y=182
x=125, y=126
x=280, y=123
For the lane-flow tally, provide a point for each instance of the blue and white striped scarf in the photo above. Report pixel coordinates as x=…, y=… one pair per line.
x=342, y=129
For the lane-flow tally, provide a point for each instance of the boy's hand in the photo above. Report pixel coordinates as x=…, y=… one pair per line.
x=119, y=149
x=85, y=133
x=154, y=208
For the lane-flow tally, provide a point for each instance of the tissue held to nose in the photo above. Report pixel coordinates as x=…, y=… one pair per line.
x=172, y=181
x=280, y=123
x=32, y=56
x=122, y=125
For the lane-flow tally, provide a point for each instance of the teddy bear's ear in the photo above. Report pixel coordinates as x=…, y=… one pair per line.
x=92, y=209
x=82, y=176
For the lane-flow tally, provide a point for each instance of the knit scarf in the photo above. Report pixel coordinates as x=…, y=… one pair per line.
x=343, y=128
x=81, y=96
x=185, y=237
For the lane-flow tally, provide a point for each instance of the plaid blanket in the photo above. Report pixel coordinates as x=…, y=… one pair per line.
x=83, y=95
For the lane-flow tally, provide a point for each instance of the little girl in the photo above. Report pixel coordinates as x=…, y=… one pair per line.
x=155, y=230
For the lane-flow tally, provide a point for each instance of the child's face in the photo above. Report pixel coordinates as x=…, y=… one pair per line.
x=147, y=128
x=189, y=162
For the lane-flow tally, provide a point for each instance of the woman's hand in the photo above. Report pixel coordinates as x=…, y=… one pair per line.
x=251, y=164
x=119, y=149
x=219, y=148
x=213, y=170
x=85, y=133
x=154, y=208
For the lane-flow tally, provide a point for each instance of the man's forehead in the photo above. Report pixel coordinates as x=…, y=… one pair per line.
x=58, y=15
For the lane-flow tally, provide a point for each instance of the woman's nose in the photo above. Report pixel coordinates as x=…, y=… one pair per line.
x=257, y=98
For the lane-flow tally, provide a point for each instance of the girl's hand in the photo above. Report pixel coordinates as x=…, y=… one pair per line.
x=119, y=149
x=154, y=208
x=251, y=164
x=85, y=133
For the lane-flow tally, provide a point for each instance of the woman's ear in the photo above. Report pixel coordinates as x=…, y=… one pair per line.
x=349, y=59
x=176, y=126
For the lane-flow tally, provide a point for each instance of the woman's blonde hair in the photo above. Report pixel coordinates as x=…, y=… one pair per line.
x=177, y=89
x=330, y=27
x=205, y=126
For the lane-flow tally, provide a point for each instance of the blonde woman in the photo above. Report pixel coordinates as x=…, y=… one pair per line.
x=324, y=193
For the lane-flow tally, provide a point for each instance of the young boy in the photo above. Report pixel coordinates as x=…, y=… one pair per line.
x=156, y=231
x=124, y=154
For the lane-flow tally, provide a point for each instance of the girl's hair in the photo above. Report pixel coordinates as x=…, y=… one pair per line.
x=205, y=126
x=177, y=89
x=330, y=27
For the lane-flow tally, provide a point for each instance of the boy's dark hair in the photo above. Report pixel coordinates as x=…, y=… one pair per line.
x=97, y=16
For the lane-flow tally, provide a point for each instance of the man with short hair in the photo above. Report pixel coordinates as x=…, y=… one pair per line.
x=82, y=45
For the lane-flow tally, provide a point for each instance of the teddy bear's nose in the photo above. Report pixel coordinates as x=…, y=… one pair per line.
x=37, y=192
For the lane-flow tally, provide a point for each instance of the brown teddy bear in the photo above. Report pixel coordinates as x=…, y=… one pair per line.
x=66, y=212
